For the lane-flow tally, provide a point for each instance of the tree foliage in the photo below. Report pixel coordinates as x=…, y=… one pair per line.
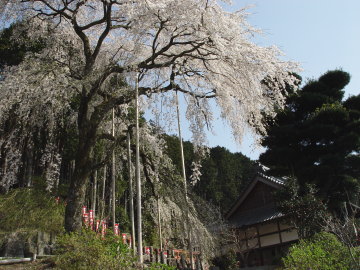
x=12, y=52
x=302, y=208
x=30, y=210
x=226, y=261
x=86, y=249
x=173, y=151
x=223, y=174
x=322, y=252
x=315, y=139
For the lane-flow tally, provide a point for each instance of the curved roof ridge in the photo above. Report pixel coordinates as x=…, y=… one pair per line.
x=280, y=181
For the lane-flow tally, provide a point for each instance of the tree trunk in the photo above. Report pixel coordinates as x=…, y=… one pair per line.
x=3, y=160
x=28, y=172
x=27, y=163
x=77, y=189
x=76, y=199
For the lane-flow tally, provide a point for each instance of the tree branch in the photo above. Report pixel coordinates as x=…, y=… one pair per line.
x=106, y=136
x=107, y=18
x=106, y=159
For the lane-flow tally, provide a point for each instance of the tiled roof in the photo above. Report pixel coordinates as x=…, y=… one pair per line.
x=263, y=170
x=261, y=176
x=255, y=216
x=276, y=180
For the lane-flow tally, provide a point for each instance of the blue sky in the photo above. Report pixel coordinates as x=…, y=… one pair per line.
x=319, y=34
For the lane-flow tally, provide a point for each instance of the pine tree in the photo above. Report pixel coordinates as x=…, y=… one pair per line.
x=316, y=139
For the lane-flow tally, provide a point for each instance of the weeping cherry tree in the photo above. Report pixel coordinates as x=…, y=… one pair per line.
x=193, y=47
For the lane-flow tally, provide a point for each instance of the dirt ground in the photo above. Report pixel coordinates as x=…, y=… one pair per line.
x=37, y=265
x=17, y=266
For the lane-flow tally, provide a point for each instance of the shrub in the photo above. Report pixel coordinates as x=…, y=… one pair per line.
x=321, y=252
x=87, y=250
x=225, y=262
x=30, y=210
x=302, y=207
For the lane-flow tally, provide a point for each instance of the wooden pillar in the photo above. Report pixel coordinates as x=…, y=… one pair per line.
x=246, y=239
x=259, y=242
x=278, y=226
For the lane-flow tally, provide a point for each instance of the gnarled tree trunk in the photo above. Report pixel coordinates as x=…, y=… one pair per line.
x=83, y=169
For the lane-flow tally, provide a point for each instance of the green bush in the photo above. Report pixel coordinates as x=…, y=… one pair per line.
x=30, y=210
x=225, y=262
x=87, y=250
x=321, y=252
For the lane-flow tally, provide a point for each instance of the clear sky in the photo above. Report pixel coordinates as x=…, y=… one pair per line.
x=319, y=34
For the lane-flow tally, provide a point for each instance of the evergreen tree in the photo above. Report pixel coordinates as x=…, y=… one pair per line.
x=223, y=174
x=173, y=151
x=13, y=52
x=316, y=138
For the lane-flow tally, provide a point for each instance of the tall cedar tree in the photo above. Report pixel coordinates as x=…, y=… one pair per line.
x=316, y=138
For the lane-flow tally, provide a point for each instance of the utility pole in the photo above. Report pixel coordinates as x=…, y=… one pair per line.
x=159, y=222
x=137, y=173
x=132, y=218
x=185, y=184
x=113, y=172
x=103, y=194
x=94, y=193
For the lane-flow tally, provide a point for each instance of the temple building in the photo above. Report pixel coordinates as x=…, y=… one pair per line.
x=260, y=235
